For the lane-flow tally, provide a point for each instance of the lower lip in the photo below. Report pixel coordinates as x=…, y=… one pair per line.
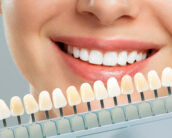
x=97, y=72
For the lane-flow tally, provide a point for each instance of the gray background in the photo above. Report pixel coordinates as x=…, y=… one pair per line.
x=12, y=83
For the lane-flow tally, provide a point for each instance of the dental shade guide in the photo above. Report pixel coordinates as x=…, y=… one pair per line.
x=146, y=115
x=158, y=106
x=166, y=80
x=74, y=99
x=114, y=91
x=87, y=96
x=31, y=107
x=142, y=86
x=45, y=104
x=101, y=93
x=59, y=102
x=127, y=88
x=4, y=114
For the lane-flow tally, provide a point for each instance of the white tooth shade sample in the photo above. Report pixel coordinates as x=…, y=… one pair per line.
x=140, y=82
x=87, y=93
x=100, y=90
x=16, y=106
x=4, y=110
x=113, y=87
x=59, y=100
x=127, y=85
x=45, y=102
x=154, y=80
x=73, y=96
x=166, y=78
x=31, y=106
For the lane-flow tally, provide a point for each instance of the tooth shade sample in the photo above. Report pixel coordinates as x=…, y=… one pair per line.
x=140, y=82
x=127, y=85
x=166, y=78
x=4, y=110
x=16, y=106
x=58, y=99
x=113, y=87
x=45, y=102
x=87, y=94
x=73, y=96
x=31, y=106
x=154, y=81
x=100, y=90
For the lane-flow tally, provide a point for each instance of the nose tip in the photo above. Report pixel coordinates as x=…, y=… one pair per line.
x=106, y=11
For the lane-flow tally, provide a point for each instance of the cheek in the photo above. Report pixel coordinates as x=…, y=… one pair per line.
x=30, y=15
x=163, y=11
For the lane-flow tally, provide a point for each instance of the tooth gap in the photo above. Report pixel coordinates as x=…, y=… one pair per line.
x=149, y=52
x=62, y=46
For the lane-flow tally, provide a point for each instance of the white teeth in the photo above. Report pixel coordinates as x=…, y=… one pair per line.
x=96, y=57
x=84, y=54
x=70, y=50
x=110, y=59
x=76, y=52
x=122, y=58
x=139, y=57
x=132, y=57
x=144, y=56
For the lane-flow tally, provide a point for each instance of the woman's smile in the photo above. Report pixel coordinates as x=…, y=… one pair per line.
x=99, y=59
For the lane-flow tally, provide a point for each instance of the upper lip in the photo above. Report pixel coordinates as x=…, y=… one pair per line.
x=107, y=44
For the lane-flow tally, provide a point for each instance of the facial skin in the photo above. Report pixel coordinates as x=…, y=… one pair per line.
x=30, y=24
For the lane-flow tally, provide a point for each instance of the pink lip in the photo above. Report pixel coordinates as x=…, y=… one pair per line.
x=106, y=44
x=96, y=72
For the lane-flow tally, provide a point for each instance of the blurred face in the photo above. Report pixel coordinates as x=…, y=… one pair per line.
x=57, y=43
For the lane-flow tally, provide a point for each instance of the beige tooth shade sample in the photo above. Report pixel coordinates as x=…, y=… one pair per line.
x=127, y=85
x=100, y=90
x=16, y=106
x=113, y=87
x=87, y=93
x=45, y=102
x=73, y=96
x=59, y=100
x=140, y=82
x=31, y=106
x=166, y=77
x=4, y=110
x=154, y=80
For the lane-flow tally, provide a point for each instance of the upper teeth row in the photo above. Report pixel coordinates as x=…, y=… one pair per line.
x=107, y=58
